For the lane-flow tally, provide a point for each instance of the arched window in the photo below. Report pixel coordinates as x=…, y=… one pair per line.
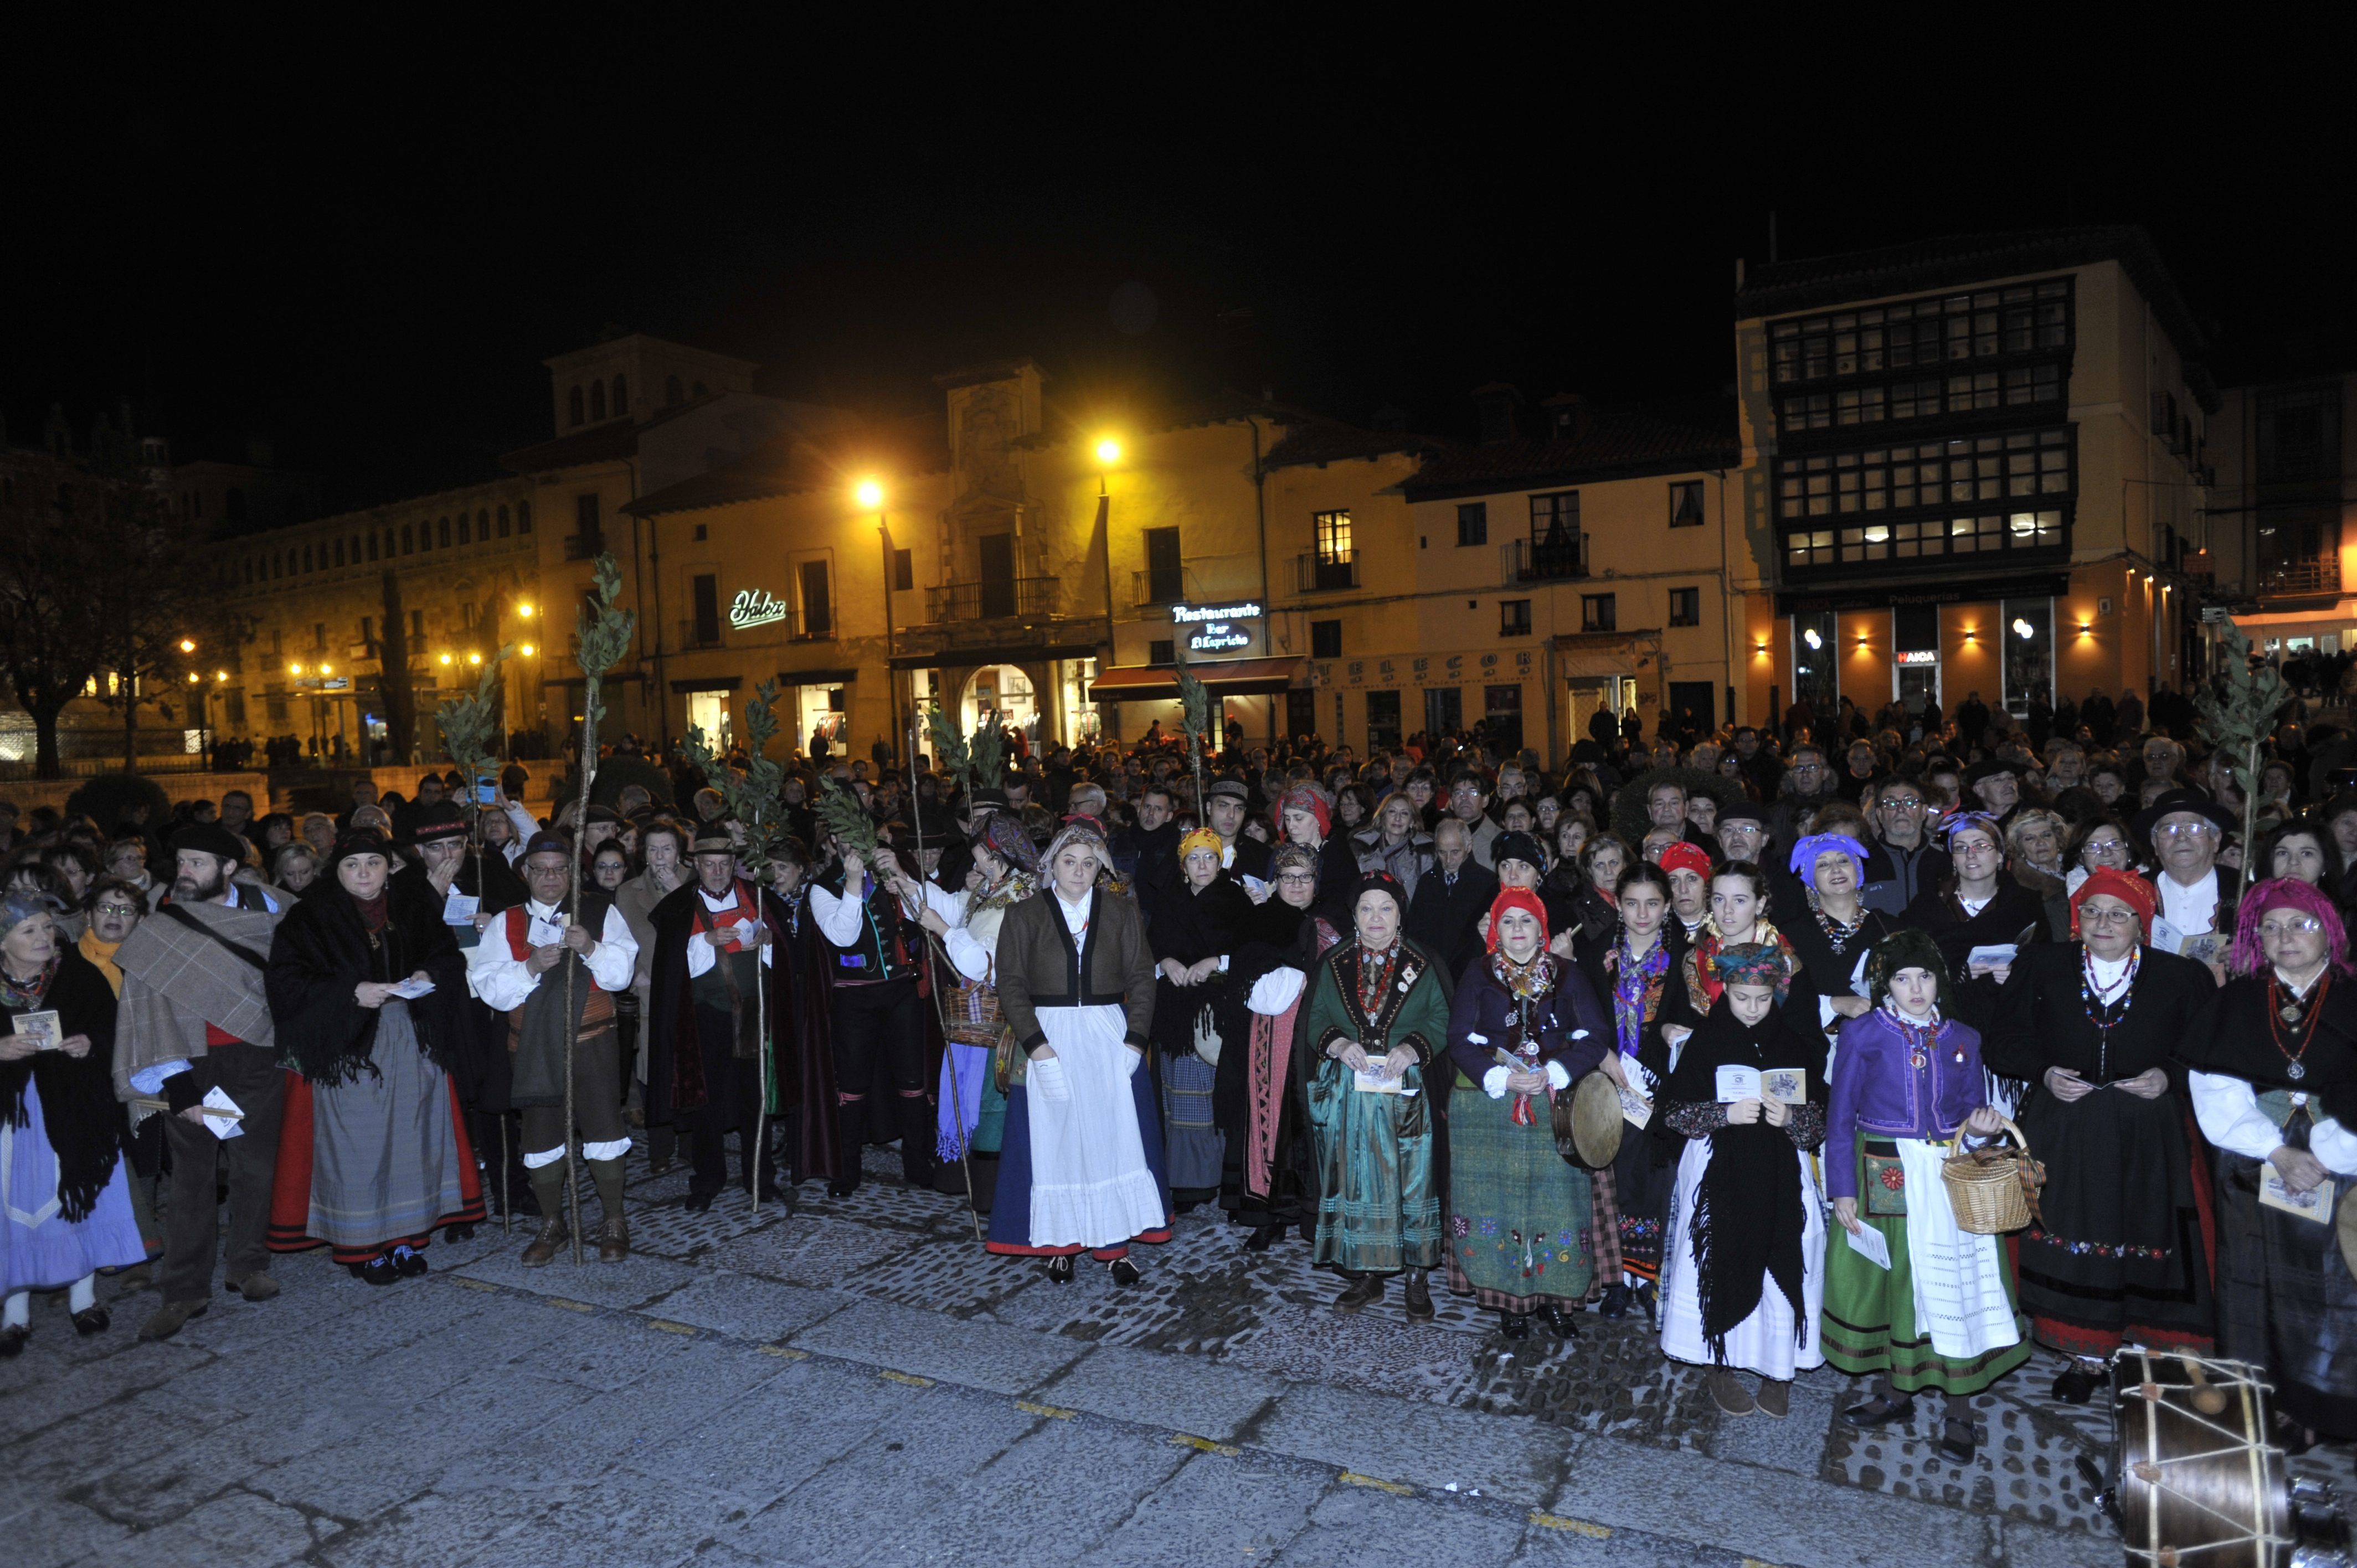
x=407, y=546
x=249, y=570
x=672, y=394
x=441, y=534
x=339, y=552
x=356, y=550
x=388, y=542
x=622, y=396
x=503, y=522
x=482, y=526
x=372, y=545
x=523, y=517
x=597, y=400
x=307, y=558
x=463, y=533
x=573, y=404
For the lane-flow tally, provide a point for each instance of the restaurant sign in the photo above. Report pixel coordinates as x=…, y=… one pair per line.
x=754, y=607
x=1216, y=628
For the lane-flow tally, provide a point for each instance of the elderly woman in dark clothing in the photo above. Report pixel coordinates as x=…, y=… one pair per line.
x=1196, y=930
x=2275, y=1087
x=1269, y=1174
x=1523, y=1027
x=372, y=1153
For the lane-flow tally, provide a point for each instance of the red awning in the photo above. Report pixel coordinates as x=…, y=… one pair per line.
x=1228, y=678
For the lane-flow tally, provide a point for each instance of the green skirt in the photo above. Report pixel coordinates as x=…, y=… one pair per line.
x=1869, y=1324
x=1377, y=1210
x=1520, y=1215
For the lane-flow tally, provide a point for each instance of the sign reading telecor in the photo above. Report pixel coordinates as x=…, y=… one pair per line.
x=1216, y=631
x=754, y=607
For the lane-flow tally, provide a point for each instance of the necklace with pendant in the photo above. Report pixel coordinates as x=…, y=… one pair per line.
x=2289, y=1011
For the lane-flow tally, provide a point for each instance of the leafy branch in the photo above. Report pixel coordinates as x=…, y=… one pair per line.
x=2236, y=713
x=951, y=753
x=755, y=798
x=989, y=752
x=470, y=724
x=842, y=815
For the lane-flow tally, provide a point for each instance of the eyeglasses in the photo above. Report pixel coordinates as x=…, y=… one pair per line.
x=1299, y=879
x=2182, y=830
x=120, y=911
x=1903, y=802
x=2301, y=926
x=2108, y=917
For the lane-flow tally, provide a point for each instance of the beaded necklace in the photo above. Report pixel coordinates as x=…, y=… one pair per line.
x=2285, y=1008
x=2102, y=1009
x=1836, y=931
x=1922, y=1034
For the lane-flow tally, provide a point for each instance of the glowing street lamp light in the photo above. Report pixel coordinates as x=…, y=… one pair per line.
x=446, y=658
x=869, y=494
x=524, y=610
x=187, y=646
x=529, y=650
x=474, y=659
x=1108, y=450
x=294, y=669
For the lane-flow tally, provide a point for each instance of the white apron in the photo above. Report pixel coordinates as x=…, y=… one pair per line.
x=1090, y=1186
x=1960, y=1297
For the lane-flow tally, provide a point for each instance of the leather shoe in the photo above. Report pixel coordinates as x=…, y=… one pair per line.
x=255, y=1286
x=1563, y=1320
x=1124, y=1272
x=12, y=1340
x=613, y=1240
x=2078, y=1383
x=841, y=1189
x=1616, y=1302
x=455, y=1233
x=1359, y=1293
x=170, y=1317
x=1958, y=1440
x=697, y=1203
x=410, y=1261
x=1774, y=1398
x=1514, y=1325
x=1728, y=1392
x=380, y=1270
x=1263, y=1238
x=1880, y=1412
x=1059, y=1270
x=1419, y=1298
x=545, y=1246
x=92, y=1319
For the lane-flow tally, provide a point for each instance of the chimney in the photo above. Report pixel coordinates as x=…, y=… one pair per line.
x=1496, y=403
x=1568, y=417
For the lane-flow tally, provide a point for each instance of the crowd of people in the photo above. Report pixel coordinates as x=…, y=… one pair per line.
x=1370, y=1008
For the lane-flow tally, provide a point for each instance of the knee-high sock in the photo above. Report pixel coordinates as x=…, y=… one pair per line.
x=19, y=1312
x=84, y=1294
x=548, y=1187
x=607, y=1175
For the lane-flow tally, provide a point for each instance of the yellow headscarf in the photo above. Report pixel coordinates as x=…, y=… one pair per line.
x=1201, y=838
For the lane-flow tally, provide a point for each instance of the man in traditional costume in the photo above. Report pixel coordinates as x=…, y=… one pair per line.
x=1378, y=1018
x=973, y=1117
x=2121, y=1246
x=720, y=1005
x=2186, y=831
x=1523, y=1027
x=65, y=1197
x=1941, y=1315
x=875, y=1019
x=1268, y=1178
x=372, y=1153
x=2275, y=1086
x=816, y=1149
x=1743, y=1280
x=1082, y=1168
x=530, y=961
x=194, y=1018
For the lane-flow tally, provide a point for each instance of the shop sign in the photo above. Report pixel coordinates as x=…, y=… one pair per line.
x=1216, y=627
x=1422, y=670
x=753, y=608
x=1924, y=656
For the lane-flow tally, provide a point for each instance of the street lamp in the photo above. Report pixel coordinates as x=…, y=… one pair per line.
x=869, y=494
x=1108, y=452
x=187, y=646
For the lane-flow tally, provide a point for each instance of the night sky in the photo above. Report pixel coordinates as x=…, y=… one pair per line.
x=363, y=253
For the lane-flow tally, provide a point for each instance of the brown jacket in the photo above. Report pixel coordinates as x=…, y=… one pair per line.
x=1037, y=966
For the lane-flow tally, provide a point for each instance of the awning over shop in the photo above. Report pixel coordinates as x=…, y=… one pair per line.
x=706, y=683
x=817, y=677
x=1228, y=678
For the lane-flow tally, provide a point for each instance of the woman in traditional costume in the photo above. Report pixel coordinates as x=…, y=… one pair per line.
x=1840, y=931
x=1197, y=926
x=1082, y=1168
x=972, y=1118
x=1640, y=979
x=1269, y=1170
x=1744, y=1278
x=1378, y=1016
x=1941, y=1316
x=1978, y=905
x=373, y=1154
x=2275, y=1086
x=2120, y=1248
x=66, y=1196
x=1523, y=1028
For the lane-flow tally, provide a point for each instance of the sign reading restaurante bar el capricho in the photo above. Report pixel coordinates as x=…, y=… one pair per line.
x=1215, y=627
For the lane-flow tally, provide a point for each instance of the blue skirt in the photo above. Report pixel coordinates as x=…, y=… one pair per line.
x=1011, y=1213
x=40, y=1249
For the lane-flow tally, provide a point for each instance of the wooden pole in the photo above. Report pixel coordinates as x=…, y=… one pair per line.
x=572, y=959
x=933, y=954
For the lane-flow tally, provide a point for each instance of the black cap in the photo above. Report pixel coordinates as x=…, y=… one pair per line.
x=1517, y=846
x=210, y=838
x=442, y=820
x=547, y=842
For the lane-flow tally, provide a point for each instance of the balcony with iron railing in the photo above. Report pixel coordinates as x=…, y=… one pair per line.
x=1546, y=559
x=2307, y=575
x=1000, y=598
x=1149, y=588
x=584, y=546
x=1317, y=574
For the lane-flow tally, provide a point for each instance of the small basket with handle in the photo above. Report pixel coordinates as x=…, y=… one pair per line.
x=1992, y=1189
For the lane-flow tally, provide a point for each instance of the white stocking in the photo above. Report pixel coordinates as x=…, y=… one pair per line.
x=84, y=1294
x=18, y=1312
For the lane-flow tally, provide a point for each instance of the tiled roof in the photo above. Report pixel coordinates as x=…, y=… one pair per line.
x=1778, y=288
x=608, y=442
x=796, y=463
x=1614, y=446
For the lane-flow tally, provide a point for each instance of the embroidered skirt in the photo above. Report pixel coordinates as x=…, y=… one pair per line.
x=1519, y=1213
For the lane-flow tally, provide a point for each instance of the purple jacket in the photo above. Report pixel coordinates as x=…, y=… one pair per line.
x=1877, y=1094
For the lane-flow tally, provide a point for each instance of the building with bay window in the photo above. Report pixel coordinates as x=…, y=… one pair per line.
x=2281, y=550
x=1972, y=465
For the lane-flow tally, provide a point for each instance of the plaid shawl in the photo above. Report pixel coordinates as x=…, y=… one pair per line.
x=175, y=981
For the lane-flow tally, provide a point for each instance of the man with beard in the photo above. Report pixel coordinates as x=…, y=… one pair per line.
x=1807, y=784
x=1742, y=832
x=520, y=969
x=720, y=1008
x=194, y=1018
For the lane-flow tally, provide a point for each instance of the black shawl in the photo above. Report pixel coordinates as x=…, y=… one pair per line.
x=1748, y=1216
x=84, y=1120
x=1191, y=927
x=2236, y=1033
x=323, y=950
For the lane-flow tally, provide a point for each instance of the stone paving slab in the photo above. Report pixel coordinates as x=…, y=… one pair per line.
x=927, y=1344
x=1507, y=1457
x=1217, y=1508
x=1205, y=1399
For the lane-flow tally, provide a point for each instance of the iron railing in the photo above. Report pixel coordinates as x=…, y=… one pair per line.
x=999, y=598
x=1314, y=573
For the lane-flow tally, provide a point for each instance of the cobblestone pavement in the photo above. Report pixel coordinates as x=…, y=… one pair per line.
x=861, y=1383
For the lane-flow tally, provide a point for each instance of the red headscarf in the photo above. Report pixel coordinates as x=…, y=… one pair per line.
x=2131, y=890
x=1517, y=899
x=1301, y=798
x=1684, y=856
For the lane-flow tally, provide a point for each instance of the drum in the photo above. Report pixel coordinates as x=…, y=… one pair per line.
x=2197, y=1484
x=1588, y=1122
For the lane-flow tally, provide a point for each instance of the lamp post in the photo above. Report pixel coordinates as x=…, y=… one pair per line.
x=869, y=493
x=1108, y=453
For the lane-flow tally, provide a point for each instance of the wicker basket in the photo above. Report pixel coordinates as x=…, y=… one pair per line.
x=1992, y=1189
x=970, y=1012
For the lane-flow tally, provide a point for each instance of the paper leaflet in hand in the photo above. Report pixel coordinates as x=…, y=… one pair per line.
x=42, y=1030
x=2315, y=1204
x=410, y=989
x=1377, y=1084
x=224, y=1126
x=1995, y=956
x=1869, y=1244
x=459, y=909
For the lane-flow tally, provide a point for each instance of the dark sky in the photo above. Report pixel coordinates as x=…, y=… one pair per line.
x=348, y=246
